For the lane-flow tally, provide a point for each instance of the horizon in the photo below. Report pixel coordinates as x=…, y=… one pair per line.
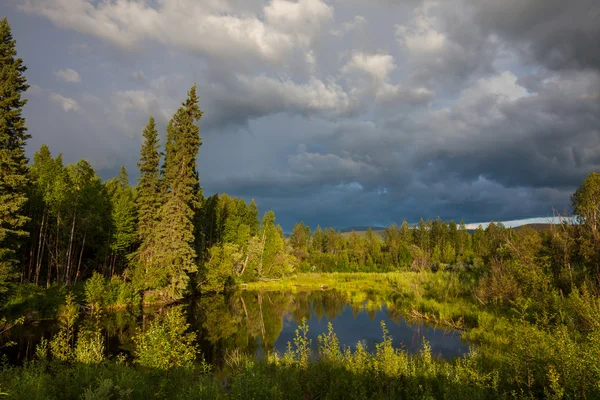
x=332, y=113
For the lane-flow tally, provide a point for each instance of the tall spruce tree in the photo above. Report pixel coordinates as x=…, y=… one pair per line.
x=174, y=257
x=148, y=188
x=13, y=163
x=148, y=201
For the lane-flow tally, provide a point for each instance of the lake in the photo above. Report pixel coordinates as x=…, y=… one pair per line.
x=261, y=322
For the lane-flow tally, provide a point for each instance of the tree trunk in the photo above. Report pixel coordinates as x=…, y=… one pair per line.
x=69, y=251
x=57, y=258
x=245, y=262
x=31, y=257
x=80, y=257
x=39, y=255
x=262, y=252
x=262, y=320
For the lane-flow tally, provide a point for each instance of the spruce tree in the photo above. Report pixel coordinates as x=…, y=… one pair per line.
x=13, y=163
x=252, y=218
x=148, y=201
x=148, y=188
x=175, y=255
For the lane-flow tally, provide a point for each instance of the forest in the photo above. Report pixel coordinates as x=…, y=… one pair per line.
x=74, y=247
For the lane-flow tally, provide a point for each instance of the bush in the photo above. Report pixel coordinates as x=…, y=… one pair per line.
x=95, y=289
x=165, y=344
x=116, y=293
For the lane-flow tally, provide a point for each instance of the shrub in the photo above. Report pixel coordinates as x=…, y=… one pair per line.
x=95, y=289
x=165, y=344
x=61, y=344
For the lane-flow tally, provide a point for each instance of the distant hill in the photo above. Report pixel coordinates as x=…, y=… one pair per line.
x=537, y=227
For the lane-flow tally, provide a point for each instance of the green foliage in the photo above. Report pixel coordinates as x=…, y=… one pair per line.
x=13, y=163
x=61, y=345
x=173, y=252
x=123, y=216
x=89, y=348
x=148, y=202
x=166, y=344
x=223, y=264
x=112, y=293
x=274, y=261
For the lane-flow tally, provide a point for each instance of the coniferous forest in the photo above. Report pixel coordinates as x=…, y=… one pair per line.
x=75, y=248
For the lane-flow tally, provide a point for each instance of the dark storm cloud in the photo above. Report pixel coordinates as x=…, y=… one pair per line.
x=338, y=112
x=555, y=33
x=547, y=139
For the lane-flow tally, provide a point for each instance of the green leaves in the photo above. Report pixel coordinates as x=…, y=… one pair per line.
x=165, y=344
x=167, y=253
x=13, y=163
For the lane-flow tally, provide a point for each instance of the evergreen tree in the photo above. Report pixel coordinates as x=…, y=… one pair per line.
x=405, y=233
x=149, y=198
x=300, y=240
x=148, y=188
x=175, y=254
x=13, y=163
x=318, y=240
x=252, y=218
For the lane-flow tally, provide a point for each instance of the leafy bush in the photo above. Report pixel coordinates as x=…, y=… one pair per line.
x=115, y=293
x=61, y=344
x=95, y=289
x=90, y=342
x=165, y=344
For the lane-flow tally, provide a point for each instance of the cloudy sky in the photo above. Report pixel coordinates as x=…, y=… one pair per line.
x=337, y=112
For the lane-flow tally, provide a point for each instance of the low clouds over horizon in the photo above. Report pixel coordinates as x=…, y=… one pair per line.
x=338, y=113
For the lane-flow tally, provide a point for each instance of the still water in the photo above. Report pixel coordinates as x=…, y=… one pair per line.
x=261, y=322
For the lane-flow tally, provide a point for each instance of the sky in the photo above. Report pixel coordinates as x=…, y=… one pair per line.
x=338, y=112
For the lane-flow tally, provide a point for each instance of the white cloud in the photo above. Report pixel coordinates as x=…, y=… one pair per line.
x=312, y=96
x=331, y=165
x=143, y=101
x=378, y=66
x=210, y=28
x=421, y=36
x=66, y=103
x=389, y=93
x=303, y=18
x=68, y=75
x=487, y=94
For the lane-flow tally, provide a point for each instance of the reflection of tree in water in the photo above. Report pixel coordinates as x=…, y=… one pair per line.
x=239, y=320
x=301, y=309
x=244, y=319
x=329, y=303
x=119, y=328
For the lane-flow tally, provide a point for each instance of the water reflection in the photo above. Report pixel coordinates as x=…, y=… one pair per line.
x=260, y=322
